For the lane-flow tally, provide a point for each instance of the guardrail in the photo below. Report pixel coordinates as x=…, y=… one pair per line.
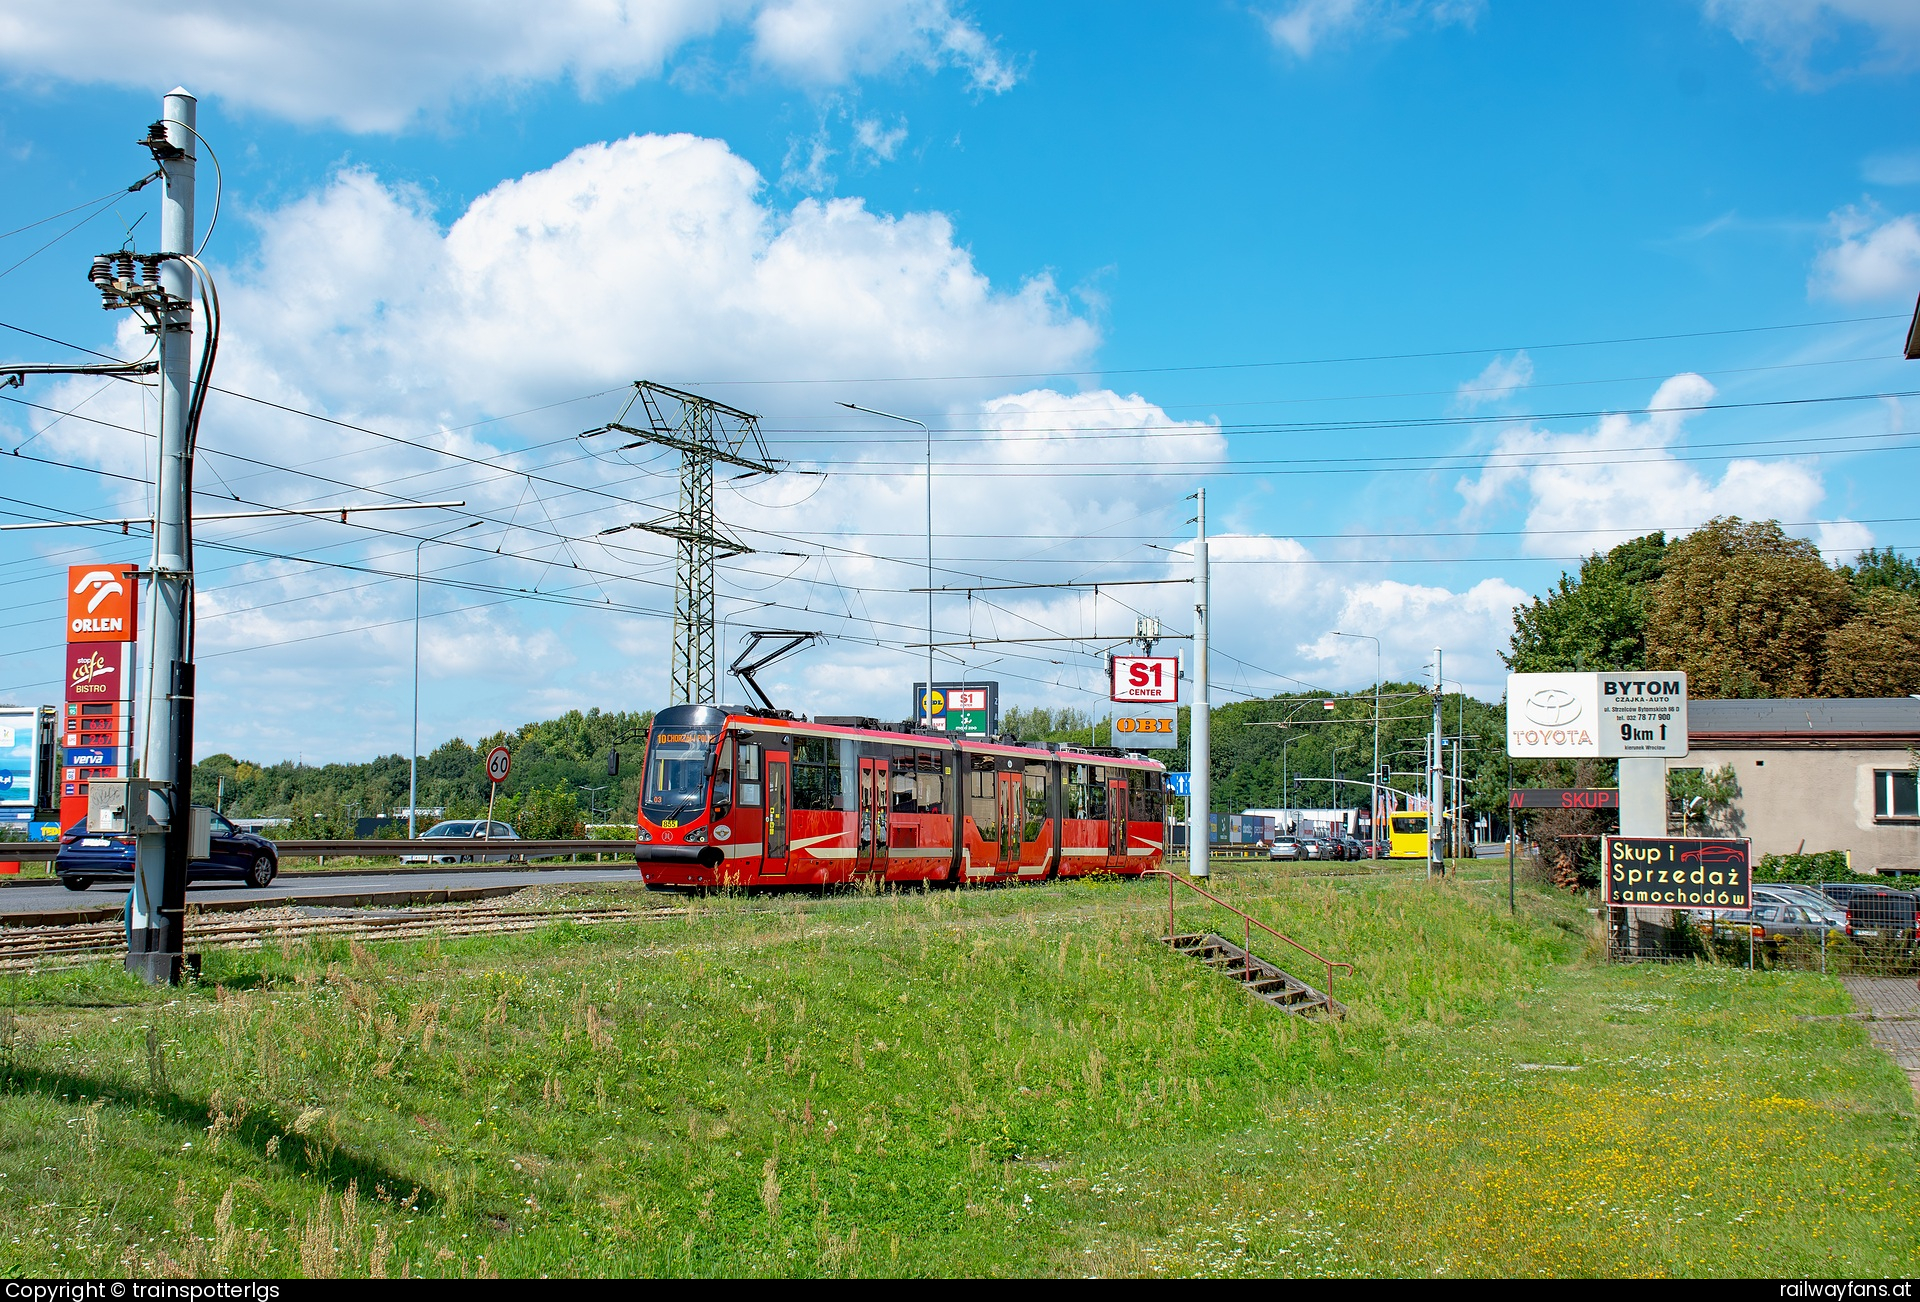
x=1251, y=922
x=43, y=851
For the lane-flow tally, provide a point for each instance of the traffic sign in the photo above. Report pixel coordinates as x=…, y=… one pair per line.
x=499, y=764
x=1180, y=784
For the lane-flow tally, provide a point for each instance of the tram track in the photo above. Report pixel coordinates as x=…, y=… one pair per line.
x=26, y=948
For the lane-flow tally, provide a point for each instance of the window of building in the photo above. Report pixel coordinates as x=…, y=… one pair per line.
x=1896, y=794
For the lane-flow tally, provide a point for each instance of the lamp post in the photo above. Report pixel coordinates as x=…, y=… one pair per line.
x=926, y=700
x=1373, y=819
x=413, y=755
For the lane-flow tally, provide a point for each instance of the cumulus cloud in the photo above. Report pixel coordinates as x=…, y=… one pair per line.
x=1812, y=41
x=1868, y=258
x=1310, y=25
x=1622, y=478
x=370, y=66
x=655, y=256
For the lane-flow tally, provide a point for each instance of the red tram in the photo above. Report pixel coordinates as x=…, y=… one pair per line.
x=740, y=799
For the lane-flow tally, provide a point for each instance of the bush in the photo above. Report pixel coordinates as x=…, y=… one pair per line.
x=1811, y=869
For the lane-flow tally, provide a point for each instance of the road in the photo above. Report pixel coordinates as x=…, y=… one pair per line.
x=311, y=888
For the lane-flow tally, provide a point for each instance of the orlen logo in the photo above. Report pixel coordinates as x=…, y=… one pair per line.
x=100, y=603
x=1550, y=707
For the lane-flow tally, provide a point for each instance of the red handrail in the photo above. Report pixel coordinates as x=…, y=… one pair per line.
x=1250, y=921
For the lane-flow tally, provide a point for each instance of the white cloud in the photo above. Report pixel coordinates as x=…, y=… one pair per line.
x=652, y=256
x=828, y=42
x=876, y=138
x=1309, y=25
x=373, y=66
x=1811, y=41
x=1843, y=540
x=1622, y=478
x=1896, y=168
x=1868, y=259
x=1502, y=378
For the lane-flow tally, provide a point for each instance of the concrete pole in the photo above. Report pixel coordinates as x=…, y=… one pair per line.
x=155, y=905
x=1436, y=782
x=1200, y=727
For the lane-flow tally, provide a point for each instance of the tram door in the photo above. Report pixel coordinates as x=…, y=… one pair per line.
x=1117, y=818
x=774, y=847
x=1012, y=815
x=871, y=854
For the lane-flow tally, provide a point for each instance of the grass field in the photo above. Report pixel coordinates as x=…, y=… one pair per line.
x=1009, y=1081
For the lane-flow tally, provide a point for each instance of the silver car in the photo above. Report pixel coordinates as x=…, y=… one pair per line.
x=461, y=829
x=1284, y=847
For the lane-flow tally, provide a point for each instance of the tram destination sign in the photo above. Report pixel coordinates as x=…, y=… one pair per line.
x=1676, y=872
x=1613, y=715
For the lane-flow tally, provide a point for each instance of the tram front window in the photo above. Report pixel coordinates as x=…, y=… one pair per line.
x=676, y=773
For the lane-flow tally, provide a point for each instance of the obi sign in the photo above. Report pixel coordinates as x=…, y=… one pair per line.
x=1604, y=715
x=1675, y=872
x=1146, y=679
x=1146, y=730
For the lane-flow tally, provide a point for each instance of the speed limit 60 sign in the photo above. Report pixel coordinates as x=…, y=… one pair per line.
x=499, y=764
x=1146, y=678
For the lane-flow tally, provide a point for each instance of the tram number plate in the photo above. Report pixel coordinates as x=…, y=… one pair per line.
x=669, y=822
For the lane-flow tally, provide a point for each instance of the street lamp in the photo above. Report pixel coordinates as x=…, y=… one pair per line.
x=926, y=701
x=1373, y=820
x=413, y=756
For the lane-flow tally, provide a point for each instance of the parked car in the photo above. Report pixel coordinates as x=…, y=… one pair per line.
x=1805, y=896
x=461, y=829
x=1782, y=919
x=1878, y=913
x=232, y=855
x=1284, y=847
x=1355, y=848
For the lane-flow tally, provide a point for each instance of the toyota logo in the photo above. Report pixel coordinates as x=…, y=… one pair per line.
x=1550, y=707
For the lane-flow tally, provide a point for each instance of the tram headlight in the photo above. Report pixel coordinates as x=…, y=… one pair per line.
x=643, y=836
x=698, y=836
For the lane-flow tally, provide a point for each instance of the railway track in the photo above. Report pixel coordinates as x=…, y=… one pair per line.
x=34, y=947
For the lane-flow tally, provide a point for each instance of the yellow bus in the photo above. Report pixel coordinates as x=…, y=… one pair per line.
x=1407, y=834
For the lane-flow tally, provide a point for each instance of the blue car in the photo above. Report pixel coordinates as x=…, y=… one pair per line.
x=88, y=857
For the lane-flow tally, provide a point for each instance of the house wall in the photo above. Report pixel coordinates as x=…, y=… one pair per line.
x=1820, y=799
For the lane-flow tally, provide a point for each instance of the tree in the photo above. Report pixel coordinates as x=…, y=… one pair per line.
x=1597, y=621
x=1877, y=652
x=1745, y=610
x=1702, y=798
x=1883, y=568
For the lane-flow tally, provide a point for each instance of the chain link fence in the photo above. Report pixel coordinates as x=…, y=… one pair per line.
x=1795, y=930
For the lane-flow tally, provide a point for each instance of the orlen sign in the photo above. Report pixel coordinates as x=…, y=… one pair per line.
x=101, y=603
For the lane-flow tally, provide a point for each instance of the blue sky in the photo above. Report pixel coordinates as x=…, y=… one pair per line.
x=1398, y=281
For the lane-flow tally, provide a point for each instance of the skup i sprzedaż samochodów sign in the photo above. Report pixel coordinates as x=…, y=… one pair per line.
x=1676, y=872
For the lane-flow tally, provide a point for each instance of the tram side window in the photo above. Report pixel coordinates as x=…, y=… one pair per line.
x=929, y=784
x=818, y=781
x=1146, y=796
x=1036, y=788
x=1087, y=792
x=749, y=766
x=982, y=799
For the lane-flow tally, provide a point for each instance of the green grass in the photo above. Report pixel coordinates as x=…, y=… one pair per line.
x=1007, y=1081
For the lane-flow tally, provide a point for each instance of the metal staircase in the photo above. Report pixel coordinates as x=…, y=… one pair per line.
x=1262, y=979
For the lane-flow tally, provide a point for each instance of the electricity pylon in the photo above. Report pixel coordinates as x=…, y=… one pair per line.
x=704, y=432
